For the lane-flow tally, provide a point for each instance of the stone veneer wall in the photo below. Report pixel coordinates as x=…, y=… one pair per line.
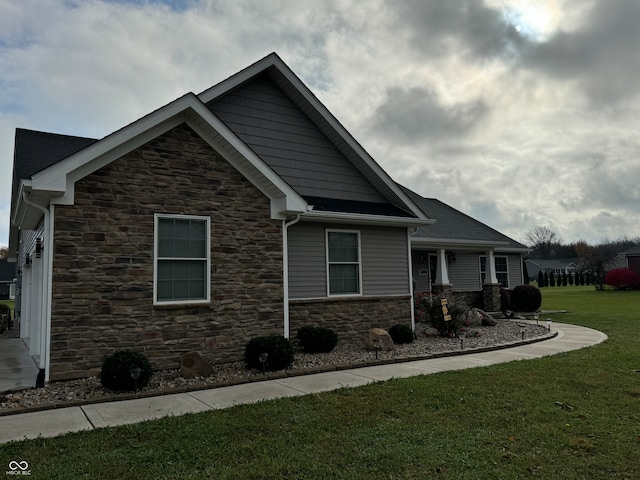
x=103, y=260
x=491, y=296
x=349, y=317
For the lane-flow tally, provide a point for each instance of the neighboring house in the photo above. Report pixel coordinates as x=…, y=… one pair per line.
x=451, y=255
x=245, y=210
x=632, y=257
x=7, y=280
x=551, y=266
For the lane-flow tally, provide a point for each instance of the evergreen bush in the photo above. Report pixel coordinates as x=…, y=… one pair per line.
x=317, y=339
x=401, y=333
x=564, y=279
x=546, y=279
x=570, y=278
x=552, y=280
x=505, y=300
x=540, y=279
x=280, y=352
x=525, y=298
x=116, y=371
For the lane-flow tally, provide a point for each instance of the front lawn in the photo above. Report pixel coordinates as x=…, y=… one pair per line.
x=570, y=416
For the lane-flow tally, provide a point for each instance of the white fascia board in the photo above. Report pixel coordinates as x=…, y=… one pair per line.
x=275, y=61
x=452, y=243
x=358, y=218
x=514, y=250
x=59, y=179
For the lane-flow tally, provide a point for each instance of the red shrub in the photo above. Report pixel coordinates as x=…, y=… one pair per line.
x=622, y=279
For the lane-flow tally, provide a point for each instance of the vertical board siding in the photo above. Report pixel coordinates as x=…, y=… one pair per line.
x=266, y=119
x=384, y=260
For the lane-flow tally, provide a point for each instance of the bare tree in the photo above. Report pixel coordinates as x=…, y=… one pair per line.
x=4, y=253
x=542, y=239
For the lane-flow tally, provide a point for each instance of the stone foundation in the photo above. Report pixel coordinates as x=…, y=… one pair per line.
x=350, y=317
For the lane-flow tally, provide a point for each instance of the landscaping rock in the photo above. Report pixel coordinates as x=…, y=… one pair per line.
x=385, y=342
x=193, y=365
x=477, y=317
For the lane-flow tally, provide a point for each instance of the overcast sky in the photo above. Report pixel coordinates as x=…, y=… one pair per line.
x=518, y=113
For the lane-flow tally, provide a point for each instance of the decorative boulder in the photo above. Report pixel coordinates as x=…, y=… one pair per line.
x=193, y=365
x=384, y=340
x=477, y=317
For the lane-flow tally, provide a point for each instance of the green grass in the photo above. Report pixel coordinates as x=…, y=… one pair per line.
x=11, y=304
x=499, y=422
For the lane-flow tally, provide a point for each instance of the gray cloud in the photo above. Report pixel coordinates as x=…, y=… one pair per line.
x=601, y=55
x=445, y=27
x=415, y=115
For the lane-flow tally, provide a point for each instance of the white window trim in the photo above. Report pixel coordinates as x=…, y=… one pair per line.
x=207, y=221
x=506, y=257
x=327, y=263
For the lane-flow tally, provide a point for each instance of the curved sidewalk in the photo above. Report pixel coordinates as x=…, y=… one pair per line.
x=49, y=423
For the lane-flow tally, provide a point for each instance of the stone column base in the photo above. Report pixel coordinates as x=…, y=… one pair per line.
x=491, y=297
x=444, y=290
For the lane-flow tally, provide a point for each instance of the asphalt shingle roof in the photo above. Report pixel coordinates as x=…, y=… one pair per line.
x=453, y=224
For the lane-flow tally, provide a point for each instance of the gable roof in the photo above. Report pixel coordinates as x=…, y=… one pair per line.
x=46, y=171
x=633, y=251
x=304, y=99
x=559, y=263
x=456, y=229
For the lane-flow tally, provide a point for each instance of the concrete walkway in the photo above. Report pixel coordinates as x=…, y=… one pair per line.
x=17, y=369
x=50, y=423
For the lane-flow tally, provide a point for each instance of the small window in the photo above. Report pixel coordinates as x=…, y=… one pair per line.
x=182, y=259
x=343, y=262
x=502, y=270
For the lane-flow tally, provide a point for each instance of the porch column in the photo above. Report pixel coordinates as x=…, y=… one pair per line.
x=442, y=272
x=490, y=276
x=491, y=286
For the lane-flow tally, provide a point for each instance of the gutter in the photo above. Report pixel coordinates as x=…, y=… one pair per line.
x=285, y=270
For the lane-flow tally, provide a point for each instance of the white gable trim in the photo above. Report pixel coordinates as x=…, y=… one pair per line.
x=58, y=180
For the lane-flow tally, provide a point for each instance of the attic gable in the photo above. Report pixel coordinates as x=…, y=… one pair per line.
x=282, y=135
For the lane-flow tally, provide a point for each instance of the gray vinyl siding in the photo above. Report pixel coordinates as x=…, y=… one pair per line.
x=307, y=266
x=262, y=115
x=384, y=259
x=464, y=273
x=514, y=263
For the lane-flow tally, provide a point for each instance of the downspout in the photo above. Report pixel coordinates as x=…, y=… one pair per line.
x=410, y=234
x=45, y=309
x=285, y=270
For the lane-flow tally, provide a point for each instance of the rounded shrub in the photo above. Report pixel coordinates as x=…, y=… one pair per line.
x=525, y=298
x=279, y=352
x=401, y=333
x=505, y=300
x=622, y=279
x=116, y=371
x=317, y=339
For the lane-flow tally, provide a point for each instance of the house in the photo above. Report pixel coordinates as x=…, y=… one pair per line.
x=7, y=280
x=632, y=257
x=245, y=210
x=451, y=255
x=551, y=266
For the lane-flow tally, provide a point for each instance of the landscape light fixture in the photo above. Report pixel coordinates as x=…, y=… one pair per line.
x=549, y=324
x=536, y=316
x=263, y=360
x=134, y=373
x=461, y=337
x=522, y=331
x=377, y=344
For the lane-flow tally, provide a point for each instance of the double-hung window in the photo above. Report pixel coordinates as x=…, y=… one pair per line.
x=343, y=262
x=182, y=259
x=502, y=270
